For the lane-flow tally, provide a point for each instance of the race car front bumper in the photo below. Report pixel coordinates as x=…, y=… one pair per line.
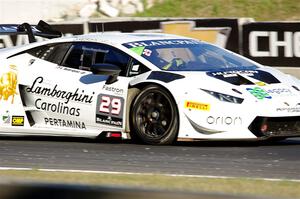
x=264, y=127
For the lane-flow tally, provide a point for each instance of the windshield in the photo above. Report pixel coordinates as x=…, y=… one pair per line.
x=187, y=55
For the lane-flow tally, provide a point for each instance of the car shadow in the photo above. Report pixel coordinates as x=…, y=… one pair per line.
x=239, y=143
x=287, y=142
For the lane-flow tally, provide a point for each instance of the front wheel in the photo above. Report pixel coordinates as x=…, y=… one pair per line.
x=154, y=117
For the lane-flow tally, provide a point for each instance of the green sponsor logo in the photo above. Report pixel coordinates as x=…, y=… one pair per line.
x=259, y=93
x=138, y=50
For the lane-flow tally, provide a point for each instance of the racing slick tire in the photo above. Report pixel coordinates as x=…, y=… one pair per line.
x=154, y=117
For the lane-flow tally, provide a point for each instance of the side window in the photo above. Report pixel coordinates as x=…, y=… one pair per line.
x=36, y=52
x=56, y=53
x=83, y=55
x=117, y=58
x=53, y=52
x=137, y=68
x=74, y=58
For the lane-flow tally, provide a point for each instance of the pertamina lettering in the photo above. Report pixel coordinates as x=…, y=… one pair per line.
x=65, y=123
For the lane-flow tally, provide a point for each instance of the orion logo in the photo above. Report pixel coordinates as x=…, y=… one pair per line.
x=259, y=93
x=224, y=120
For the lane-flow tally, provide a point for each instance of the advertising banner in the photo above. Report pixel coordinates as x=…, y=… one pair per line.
x=16, y=40
x=272, y=43
x=222, y=32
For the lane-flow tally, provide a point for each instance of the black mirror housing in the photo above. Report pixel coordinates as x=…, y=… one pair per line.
x=111, y=70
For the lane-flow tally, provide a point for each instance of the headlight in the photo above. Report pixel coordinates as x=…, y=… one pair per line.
x=224, y=97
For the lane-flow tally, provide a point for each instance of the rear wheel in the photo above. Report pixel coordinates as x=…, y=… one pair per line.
x=154, y=116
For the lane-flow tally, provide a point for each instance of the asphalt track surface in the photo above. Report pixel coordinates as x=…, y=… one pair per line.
x=279, y=160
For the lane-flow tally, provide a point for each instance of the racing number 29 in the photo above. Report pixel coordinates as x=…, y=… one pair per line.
x=110, y=105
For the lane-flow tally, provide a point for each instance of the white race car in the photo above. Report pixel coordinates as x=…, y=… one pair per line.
x=154, y=88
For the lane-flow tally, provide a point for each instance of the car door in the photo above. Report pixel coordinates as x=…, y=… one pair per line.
x=73, y=100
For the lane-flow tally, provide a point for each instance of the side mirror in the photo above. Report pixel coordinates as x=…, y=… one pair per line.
x=111, y=70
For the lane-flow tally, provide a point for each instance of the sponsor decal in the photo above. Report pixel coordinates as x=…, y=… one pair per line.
x=71, y=70
x=161, y=43
x=289, y=109
x=57, y=108
x=6, y=117
x=138, y=50
x=197, y=106
x=8, y=84
x=235, y=73
x=117, y=91
x=260, y=83
x=66, y=96
x=280, y=91
x=65, y=123
x=147, y=52
x=259, y=93
x=109, y=110
x=224, y=120
x=17, y=120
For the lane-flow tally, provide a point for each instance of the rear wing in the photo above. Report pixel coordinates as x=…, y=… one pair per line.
x=42, y=30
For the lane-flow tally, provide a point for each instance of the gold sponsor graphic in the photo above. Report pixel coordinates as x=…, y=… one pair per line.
x=260, y=83
x=197, y=106
x=8, y=84
x=17, y=121
x=216, y=35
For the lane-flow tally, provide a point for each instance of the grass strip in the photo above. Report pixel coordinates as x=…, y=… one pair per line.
x=261, y=10
x=235, y=186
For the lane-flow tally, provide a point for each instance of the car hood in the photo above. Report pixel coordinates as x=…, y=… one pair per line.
x=259, y=83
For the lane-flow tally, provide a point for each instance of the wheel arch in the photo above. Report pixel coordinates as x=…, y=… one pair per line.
x=133, y=92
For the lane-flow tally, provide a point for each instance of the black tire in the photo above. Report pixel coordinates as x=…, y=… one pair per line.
x=276, y=139
x=154, y=117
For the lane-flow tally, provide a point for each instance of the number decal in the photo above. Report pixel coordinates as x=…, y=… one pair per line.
x=110, y=106
x=116, y=106
x=104, y=105
x=109, y=110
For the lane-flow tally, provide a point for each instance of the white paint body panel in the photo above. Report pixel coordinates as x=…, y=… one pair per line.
x=230, y=120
